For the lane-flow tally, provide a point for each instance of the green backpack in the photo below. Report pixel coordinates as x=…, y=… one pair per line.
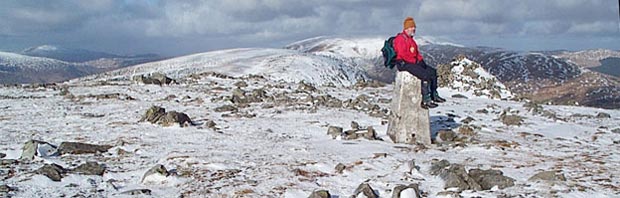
x=388, y=53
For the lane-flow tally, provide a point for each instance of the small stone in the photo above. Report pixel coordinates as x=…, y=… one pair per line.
x=603, y=115
x=320, y=194
x=6, y=188
x=2, y=155
x=53, y=171
x=467, y=120
x=459, y=96
x=8, y=161
x=446, y=135
x=157, y=170
x=226, y=108
x=334, y=131
x=483, y=111
x=409, y=191
x=370, y=134
x=548, y=176
x=340, y=168
x=355, y=125
x=366, y=190
x=137, y=192
x=81, y=148
x=90, y=168
x=241, y=84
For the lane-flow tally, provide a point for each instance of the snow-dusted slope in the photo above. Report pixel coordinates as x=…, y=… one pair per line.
x=66, y=54
x=17, y=61
x=278, y=64
x=588, y=58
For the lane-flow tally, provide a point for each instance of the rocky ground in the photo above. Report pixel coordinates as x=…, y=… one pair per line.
x=213, y=135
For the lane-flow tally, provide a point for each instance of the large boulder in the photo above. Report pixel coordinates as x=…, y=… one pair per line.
x=409, y=191
x=550, y=176
x=154, y=78
x=53, y=171
x=158, y=115
x=364, y=190
x=490, y=178
x=408, y=121
x=90, y=168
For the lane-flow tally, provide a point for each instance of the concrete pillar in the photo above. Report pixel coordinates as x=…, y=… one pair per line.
x=408, y=122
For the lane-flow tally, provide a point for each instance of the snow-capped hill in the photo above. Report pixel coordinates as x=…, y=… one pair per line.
x=588, y=58
x=66, y=54
x=470, y=78
x=17, y=61
x=17, y=68
x=277, y=64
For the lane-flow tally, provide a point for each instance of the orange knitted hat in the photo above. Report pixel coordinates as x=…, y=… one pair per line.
x=409, y=22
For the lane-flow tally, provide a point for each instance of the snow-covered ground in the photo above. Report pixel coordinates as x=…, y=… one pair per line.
x=283, y=151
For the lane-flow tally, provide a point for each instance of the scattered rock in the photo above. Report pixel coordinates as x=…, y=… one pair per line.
x=53, y=171
x=552, y=176
x=37, y=148
x=355, y=125
x=466, y=130
x=226, y=108
x=90, y=168
x=365, y=190
x=603, y=115
x=305, y=87
x=320, y=194
x=467, y=120
x=409, y=191
x=490, y=178
x=509, y=120
x=137, y=192
x=153, y=174
x=340, y=168
x=459, y=96
x=334, y=131
x=446, y=135
x=370, y=134
x=6, y=188
x=8, y=161
x=81, y=148
x=158, y=115
x=483, y=111
x=454, y=176
x=2, y=155
x=211, y=124
x=154, y=78
x=241, y=84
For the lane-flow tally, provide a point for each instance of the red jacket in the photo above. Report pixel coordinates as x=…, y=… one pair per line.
x=406, y=48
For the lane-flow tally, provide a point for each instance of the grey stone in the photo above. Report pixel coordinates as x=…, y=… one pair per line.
x=306, y=87
x=438, y=166
x=53, y=171
x=490, y=178
x=90, y=168
x=158, y=115
x=241, y=84
x=81, y=148
x=446, y=135
x=8, y=161
x=459, y=96
x=370, y=134
x=320, y=194
x=511, y=119
x=366, y=190
x=226, y=108
x=396, y=193
x=334, y=131
x=2, y=155
x=408, y=121
x=156, y=170
x=455, y=176
x=603, y=115
x=355, y=125
x=6, y=188
x=137, y=192
x=154, y=78
x=467, y=120
x=483, y=111
x=548, y=176
x=35, y=147
x=350, y=135
x=340, y=168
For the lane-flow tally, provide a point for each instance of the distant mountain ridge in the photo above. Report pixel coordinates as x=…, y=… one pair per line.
x=47, y=63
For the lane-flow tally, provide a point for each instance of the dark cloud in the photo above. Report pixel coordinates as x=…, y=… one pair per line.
x=186, y=26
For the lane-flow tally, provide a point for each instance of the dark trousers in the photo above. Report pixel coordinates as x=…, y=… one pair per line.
x=425, y=73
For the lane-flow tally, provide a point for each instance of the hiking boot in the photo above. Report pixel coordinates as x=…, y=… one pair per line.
x=437, y=99
x=428, y=104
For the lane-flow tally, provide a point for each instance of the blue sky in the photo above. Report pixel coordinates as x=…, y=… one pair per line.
x=190, y=26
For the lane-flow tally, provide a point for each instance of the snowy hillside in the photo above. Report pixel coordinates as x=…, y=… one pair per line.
x=263, y=137
x=588, y=58
x=66, y=54
x=16, y=68
x=278, y=64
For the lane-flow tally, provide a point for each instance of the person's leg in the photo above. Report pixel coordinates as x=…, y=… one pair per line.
x=432, y=73
x=420, y=71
